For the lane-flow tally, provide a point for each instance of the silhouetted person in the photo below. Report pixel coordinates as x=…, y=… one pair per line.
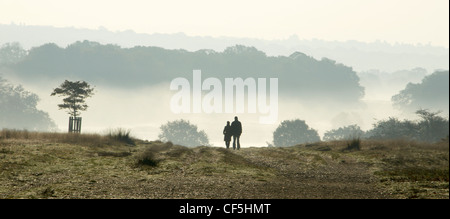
x=227, y=132
x=236, y=129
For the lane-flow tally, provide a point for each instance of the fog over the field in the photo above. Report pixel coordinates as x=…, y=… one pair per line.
x=338, y=63
x=144, y=110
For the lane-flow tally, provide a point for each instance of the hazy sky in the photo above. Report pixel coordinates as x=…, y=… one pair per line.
x=403, y=21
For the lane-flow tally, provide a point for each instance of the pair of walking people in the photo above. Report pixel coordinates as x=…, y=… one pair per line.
x=234, y=130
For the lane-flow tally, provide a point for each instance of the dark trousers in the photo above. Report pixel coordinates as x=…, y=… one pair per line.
x=236, y=138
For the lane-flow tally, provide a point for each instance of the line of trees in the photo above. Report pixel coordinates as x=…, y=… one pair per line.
x=300, y=75
x=430, y=128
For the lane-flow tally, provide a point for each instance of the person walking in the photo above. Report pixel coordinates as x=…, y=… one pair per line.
x=227, y=132
x=236, y=128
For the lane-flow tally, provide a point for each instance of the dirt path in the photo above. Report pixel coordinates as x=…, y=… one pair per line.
x=301, y=176
x=71, y=171
x=316, y=177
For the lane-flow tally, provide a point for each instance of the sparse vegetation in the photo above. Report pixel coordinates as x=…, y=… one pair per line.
x=116, y=137
x=55, y=165
x=149, y=156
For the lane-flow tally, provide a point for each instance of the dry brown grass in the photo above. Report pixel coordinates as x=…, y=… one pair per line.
x=405, y=168
x=58, y=165
x=114, y=137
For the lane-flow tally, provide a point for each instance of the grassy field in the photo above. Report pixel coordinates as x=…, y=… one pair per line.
x=55, y=165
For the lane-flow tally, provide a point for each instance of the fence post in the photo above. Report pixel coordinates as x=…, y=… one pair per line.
x=79, y=125
x=74, y=124
x=70, y=124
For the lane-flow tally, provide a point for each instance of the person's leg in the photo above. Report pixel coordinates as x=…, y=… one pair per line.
x=234, y=142
x=238, y=143
x=228, y=144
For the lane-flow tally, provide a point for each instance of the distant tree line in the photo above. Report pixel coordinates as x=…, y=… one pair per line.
x=430, y=128
x=300, y=76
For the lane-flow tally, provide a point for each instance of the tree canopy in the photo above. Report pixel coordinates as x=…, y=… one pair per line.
x=431, y=128
x=293, y=132
x=300, y=76
x=75, y=93
x=11, y=53
x=344, y=133
x=18, y=109
x=432, y=92
x=184, y=133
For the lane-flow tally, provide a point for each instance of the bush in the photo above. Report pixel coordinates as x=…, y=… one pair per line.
x=182, y=132
x=393, y=128
x=344, y=133
x=293, y=132
x=431, y=128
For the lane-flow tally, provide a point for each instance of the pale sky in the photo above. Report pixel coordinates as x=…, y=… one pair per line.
x=393, y=21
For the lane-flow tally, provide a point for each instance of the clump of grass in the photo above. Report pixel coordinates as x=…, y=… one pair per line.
x=150, y=156
x=147, y=158
x=121, y=135
x=353, y=145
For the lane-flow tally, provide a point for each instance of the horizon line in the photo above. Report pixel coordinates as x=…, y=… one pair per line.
x=293, y=36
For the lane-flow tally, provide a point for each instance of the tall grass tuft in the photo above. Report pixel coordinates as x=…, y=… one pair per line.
x=354, y=145
x=122, y=135
x=147, y=158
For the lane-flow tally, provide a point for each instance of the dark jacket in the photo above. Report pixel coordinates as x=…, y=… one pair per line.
x=236, y=128
x=227, y=133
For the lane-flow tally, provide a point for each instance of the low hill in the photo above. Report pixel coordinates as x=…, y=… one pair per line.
x=362, y=56
x=299, y=75
x=46, y=165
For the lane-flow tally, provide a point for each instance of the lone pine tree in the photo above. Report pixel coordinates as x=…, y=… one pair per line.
x=75, y=94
